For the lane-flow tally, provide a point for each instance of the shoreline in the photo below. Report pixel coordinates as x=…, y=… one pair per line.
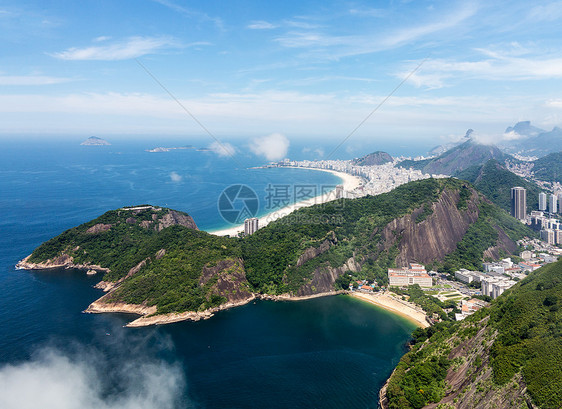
x=349, y=182
x=390, y=304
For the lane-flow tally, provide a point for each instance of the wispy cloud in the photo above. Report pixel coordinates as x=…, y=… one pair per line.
x=261, y=25
x=175, y=177
x=15, y=80
x=272, y=147
x=223, y=149
x=217, y=21
x=132, y=47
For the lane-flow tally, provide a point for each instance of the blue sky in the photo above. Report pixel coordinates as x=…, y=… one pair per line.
x=303, y=69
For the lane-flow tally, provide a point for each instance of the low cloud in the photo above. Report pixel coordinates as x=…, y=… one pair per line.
x=132, y=47
x=222, y=149
x=272, y=147
x=54, y=380
x=261, y=25
x=175, y=177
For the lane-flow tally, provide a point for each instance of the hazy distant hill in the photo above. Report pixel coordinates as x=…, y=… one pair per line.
x=495, y=182
x=549, y=168
x=457, y=159
x=94, y=140
x=531, y=140
x=375, y=158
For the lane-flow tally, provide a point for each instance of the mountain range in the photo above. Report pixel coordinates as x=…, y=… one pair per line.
x=532, y=141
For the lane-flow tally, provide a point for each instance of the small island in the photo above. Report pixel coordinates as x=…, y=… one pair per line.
x=95, y=141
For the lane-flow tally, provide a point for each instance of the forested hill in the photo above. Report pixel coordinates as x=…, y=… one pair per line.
x=495, y=182
x=457, y=159
x=155, y=257
x=504, y=356
x=549, y=168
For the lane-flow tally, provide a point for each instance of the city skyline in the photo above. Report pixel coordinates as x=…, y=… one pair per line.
x=302, y=69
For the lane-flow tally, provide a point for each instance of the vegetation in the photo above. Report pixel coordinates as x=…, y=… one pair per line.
x=495, y=182
x=549, y=168
x=518, y=338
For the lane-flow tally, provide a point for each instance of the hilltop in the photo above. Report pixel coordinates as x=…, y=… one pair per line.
x=527, y=139
x=373, y=159
x=457, y=159
x=549, y=167
x=495, y=181
x=156, y=263
x=506, y=356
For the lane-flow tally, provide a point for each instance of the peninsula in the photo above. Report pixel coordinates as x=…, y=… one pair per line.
x=156, y=263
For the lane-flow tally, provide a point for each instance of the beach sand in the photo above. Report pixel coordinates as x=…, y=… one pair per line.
x=349, y=183
x=399, y=307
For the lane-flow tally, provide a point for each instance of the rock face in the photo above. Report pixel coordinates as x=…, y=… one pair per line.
x=230, y=280
x=62, y=261
x=172, y=218
x=324, y=277
x=434, y=237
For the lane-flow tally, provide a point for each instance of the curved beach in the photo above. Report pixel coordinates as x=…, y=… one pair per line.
x=349, y=183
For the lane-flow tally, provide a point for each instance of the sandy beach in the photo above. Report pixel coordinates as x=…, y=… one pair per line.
x=349, y=183
x=400, y=307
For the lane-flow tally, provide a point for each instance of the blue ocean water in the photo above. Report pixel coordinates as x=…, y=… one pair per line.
x=330, y=352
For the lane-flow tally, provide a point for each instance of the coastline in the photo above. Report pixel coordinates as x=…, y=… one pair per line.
x=401, y=308
x=349, y=183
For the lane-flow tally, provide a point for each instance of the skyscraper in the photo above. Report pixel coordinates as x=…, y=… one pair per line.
x=251, y=226
x=553, y=204
x=519, y=202
x=542, y=201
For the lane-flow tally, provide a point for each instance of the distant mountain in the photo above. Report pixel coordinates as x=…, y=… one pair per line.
x=440, y=149
x=530, y=140
x=372, y=159
x=549, y=168
x=457, y=159
x=94, y=141
x=495, y=182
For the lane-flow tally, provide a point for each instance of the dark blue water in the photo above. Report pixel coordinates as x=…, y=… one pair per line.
x=329, y=352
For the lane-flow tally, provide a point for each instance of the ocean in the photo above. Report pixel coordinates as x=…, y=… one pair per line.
x=329, y=352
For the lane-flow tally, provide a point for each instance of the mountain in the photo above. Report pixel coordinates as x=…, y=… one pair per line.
x=549, y=168
x=375, y=158
x=94, y=140
x=529, y=140
x=506, y=356
x=156, y=263
x=457, y=159
x=440, y=149
x=495, y=182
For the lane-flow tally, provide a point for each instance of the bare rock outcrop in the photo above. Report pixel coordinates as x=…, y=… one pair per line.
x=172, y=218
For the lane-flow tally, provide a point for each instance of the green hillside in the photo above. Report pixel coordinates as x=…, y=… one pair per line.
x=499, y=357
x=549, y=168
x=495, y=182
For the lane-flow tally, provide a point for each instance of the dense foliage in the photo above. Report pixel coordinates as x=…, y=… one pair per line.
x=495, y=182
x=549, y=168
x=523, y=337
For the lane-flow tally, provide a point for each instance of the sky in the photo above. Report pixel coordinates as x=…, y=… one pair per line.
x=291, y=70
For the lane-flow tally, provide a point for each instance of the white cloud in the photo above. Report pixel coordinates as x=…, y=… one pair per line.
x=132, y=47
x=222, y=149
x=175, y=177
x=272, y=147
x=56, y=381
x=31, y=80
x=261, y=25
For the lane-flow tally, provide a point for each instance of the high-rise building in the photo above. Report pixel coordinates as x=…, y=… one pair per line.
x=553, y=204
x=542, y=201
x=519, y=202
x=250, y=226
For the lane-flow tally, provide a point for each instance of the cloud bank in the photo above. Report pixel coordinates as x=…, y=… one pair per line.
x=272, y=147
x=56, y=381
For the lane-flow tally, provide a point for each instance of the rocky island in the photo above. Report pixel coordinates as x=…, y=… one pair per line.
x=95, y=141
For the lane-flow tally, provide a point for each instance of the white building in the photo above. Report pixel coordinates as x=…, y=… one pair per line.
x=553, y=204
x=251, y=225
x=403, y=277
x=542, y=202
x=495, y=286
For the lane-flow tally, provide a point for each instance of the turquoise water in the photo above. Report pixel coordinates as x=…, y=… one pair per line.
x=329, y=352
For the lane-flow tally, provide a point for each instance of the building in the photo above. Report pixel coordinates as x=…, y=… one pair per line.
x=553, y=204
x=542, y=202
x=495, y=286
x=403, y=277
x=548, y=236
x=519, y=202
x=251, y=225
x=468, y=277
